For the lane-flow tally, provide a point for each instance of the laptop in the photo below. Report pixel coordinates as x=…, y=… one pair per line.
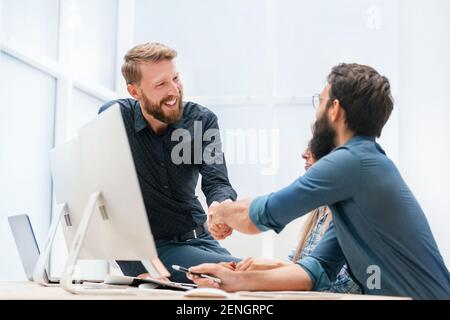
x=27, y=246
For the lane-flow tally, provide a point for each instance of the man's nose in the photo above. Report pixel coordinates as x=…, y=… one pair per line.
x=174, y=89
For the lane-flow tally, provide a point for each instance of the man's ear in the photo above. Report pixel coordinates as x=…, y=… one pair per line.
x=335, y=111
x=133, y=91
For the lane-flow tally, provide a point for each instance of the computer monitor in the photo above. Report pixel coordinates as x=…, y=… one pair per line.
x=69, y=190
x=113, y=224
x=71, y=198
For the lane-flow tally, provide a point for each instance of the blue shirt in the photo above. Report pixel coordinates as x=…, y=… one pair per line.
x=379, y=228
x=343, y=283
x=168, y=188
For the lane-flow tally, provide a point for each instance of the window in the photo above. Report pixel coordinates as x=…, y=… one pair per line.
x=31, y=25
x=26, y=136
x=89, y=42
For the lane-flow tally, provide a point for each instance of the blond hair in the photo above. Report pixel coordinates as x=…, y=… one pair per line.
x=305, y=233
x=146, y=52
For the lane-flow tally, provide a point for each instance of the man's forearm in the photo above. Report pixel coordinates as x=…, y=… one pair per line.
x=287, y=278
x=236, y=215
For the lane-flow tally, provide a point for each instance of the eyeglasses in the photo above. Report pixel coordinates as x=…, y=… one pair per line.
x=316, y=100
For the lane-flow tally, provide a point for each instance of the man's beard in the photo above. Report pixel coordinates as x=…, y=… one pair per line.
x=157, y=111
x=322, y=141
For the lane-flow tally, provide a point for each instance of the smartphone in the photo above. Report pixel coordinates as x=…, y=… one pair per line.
x=201, y=275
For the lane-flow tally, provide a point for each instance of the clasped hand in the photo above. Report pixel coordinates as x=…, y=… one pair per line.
x=216, y=225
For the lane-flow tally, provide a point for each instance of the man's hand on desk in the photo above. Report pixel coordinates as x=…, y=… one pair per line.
x=230, y=279
x=287, y=277
x=252, y=263
x=218, y=229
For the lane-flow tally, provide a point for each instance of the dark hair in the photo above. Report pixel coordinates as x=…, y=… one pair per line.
x=322, y=141
x=364, y=94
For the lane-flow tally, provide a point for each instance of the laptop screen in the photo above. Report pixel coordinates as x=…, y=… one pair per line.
x=25, y=242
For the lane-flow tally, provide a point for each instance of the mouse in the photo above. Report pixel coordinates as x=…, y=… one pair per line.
x=206, y=293
x=148, y=286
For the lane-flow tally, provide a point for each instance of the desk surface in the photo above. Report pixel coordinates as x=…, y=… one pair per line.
x=20, y=290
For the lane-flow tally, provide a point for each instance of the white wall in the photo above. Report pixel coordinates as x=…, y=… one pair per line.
x=26, y=133
x=424, y=110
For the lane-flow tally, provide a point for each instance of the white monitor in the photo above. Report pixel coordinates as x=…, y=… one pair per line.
x=97, y=186
x=69, y=190
x=108, y=167
x=71, y=199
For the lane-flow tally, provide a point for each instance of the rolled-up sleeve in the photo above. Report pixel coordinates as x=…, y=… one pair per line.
x=318, y=275
x=325, y=261
x=256, y=212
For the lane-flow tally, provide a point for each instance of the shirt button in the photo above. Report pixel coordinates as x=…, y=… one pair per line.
x=166, y=187
x=162, y=164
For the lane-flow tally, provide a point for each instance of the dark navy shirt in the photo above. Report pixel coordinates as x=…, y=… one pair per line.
x=379, y=227
x=168, y=188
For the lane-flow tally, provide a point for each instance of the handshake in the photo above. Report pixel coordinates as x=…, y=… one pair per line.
x=228, y=215
x=217, y=216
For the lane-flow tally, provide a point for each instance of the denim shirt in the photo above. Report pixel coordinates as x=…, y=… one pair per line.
x=379, y=228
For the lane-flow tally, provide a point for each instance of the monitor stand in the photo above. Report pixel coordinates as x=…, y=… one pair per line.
x=155, y=268
x=40, y=274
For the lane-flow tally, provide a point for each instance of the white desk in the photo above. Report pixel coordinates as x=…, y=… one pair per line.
x=20, y=290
